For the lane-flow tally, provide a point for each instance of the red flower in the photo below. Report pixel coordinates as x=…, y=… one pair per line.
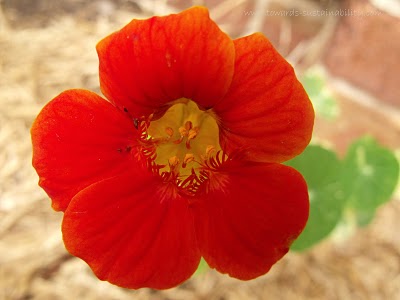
x=183, y=161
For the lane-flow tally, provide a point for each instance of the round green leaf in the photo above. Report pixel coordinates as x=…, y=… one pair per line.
x=370, y=176
x=321, y=170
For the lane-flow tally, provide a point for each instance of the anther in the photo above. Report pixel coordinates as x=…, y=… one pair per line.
x=183, y=131
x=189, y=157
x=209, y=150
x=173, y=163
x=191, y=135
x=169, y=131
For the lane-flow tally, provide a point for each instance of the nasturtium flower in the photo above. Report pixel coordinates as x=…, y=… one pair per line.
x=183, y=159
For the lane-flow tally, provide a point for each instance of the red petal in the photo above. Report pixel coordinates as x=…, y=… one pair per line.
x=149, y=63
x=130, y=237
x=78, y=139
x=246, y=226
x=266, y=113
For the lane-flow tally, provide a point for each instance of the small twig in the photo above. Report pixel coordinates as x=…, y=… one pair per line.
x=308, y=52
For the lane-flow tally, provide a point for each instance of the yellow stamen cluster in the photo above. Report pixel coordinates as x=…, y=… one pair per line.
x=183, y=139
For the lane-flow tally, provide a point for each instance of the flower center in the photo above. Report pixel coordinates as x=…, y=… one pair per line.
x=183, y=145
x=184, y=135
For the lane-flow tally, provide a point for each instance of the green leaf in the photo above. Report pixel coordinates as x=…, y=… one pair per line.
x=321, y=170
x=313, y=83
x=202, y=268
x=321, y=96
x=370, y=176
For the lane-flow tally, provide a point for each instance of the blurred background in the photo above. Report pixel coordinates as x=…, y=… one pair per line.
x=347, y=55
